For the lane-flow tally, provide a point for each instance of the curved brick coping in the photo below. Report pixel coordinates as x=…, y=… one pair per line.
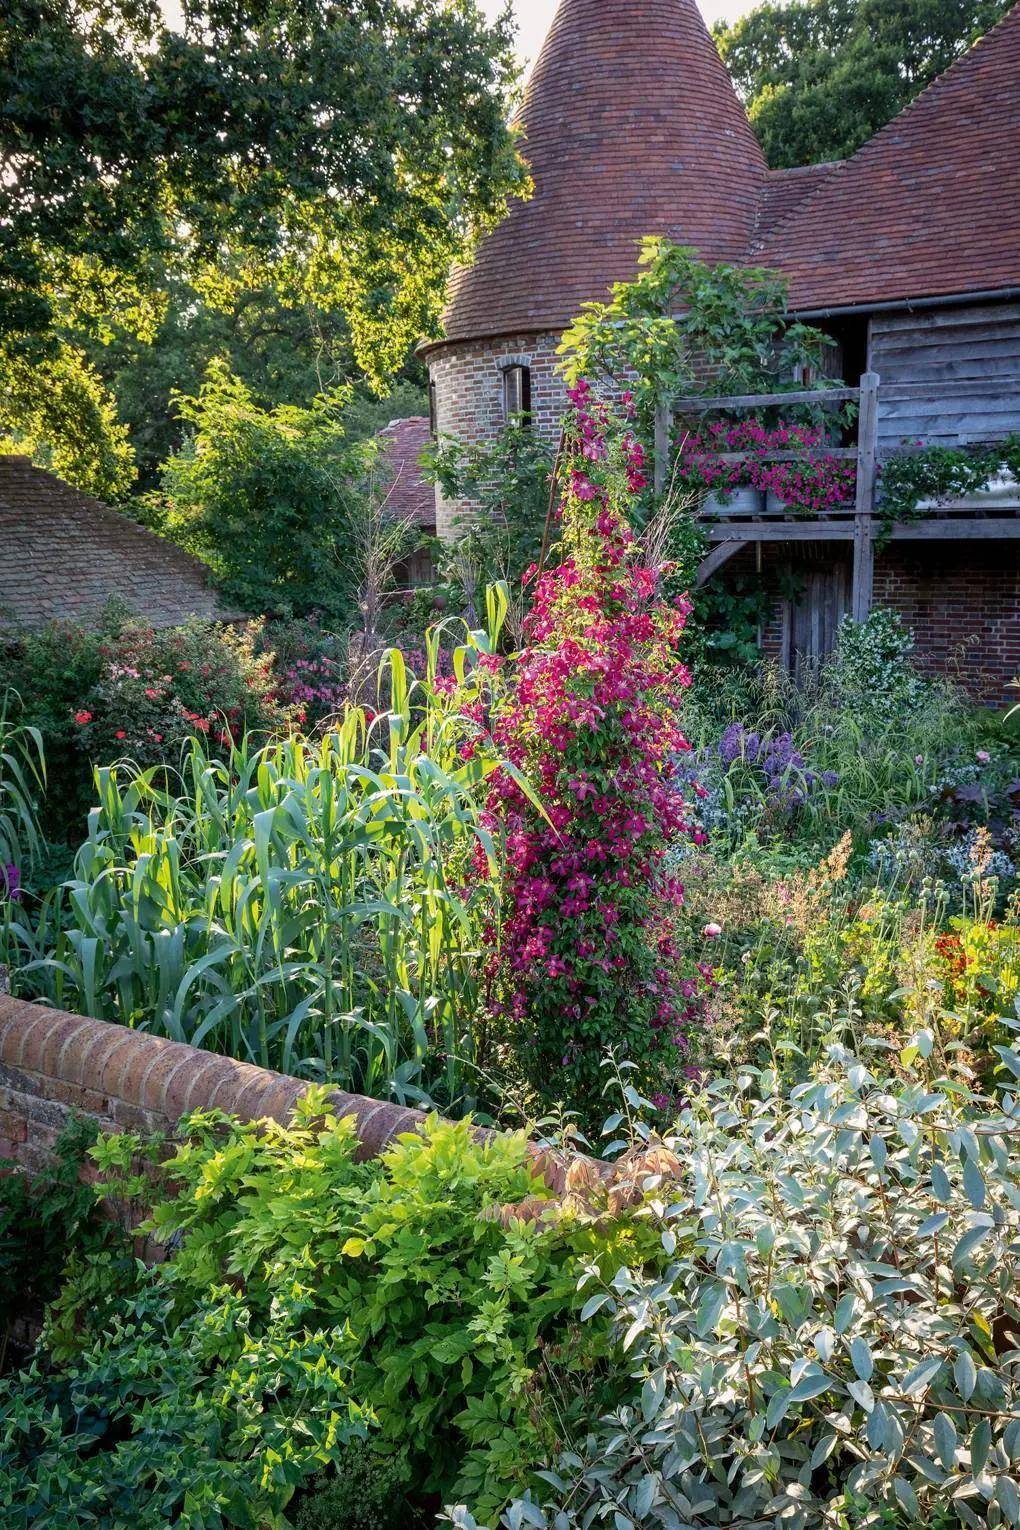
x=53, y=1063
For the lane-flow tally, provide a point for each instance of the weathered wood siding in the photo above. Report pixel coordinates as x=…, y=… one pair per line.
x=949, y=375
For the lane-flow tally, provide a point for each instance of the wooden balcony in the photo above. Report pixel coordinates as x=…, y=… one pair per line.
x=855, y=524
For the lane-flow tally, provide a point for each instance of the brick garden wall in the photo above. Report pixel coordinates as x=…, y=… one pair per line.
x=53, y=1063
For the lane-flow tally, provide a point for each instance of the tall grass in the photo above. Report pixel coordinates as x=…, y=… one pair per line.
x=308, y=905
x=22, y=784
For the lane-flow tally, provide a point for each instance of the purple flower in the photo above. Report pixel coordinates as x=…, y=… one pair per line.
x=10, y=883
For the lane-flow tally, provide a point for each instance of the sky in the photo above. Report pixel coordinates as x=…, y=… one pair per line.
x=534, y=17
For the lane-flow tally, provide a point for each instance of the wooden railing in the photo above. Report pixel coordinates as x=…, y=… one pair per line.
x=863, y=454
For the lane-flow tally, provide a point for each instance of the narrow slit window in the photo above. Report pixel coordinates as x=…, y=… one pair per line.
x=517, y=394
x=433, y=425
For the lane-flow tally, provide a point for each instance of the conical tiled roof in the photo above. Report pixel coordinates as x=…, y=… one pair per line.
x=928, y=207
x=631, y=127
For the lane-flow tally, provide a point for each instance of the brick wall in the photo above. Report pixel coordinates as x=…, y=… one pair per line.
x=468, y=380
x=53, y=1063
x=963, y=602
x=961, y=599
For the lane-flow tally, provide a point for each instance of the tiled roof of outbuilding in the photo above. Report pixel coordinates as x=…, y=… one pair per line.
x=929, y=207
x=65, y=555
x=785, y=190
x=631, y=127
x=407, y=491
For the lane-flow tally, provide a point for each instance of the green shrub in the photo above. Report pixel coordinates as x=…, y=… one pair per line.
x=268, y=497
x=128, y=690
x=453, y=1322
x=870, y=672
x=311, y=1297
x=41, y=1220
x=367, y=1493
x=195, y=1419
x=836, y=1337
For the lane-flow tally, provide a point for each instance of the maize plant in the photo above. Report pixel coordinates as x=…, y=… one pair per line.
x=305, y=905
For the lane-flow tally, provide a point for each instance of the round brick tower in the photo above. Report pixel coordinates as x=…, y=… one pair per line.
x=631, y=126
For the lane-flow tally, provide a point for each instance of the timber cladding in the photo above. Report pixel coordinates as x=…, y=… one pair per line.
x=54, y=1064
x=950, y=377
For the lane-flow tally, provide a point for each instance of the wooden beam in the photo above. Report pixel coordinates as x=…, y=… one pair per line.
x=841, y=453
x=965, y=528
x=698, y=404
x=663, y=419
x=864, y=550
x=781, y=531
x=720, y=554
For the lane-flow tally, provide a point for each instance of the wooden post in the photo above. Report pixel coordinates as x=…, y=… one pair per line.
x=663, y=417
x=864, y=549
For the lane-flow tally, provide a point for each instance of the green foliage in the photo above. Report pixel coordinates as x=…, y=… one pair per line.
x=429, y=1295
x=507, y=482
x=22, y=784
x=56, y=409
x=267, y=497
x=942, y=474
x=833, y=1338
x=343, y=154
x=734, y=328
x=367, y=1493
x=870, y=673
x=284, y=353
x=820, y=77
x=195, y=1419
x=302, y=905
x=437, y=1309
x=41, y=1219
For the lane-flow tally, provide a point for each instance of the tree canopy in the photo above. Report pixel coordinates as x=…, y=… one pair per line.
x=285, y=353
x=820, y=77
x=269, y=498
x=337, y=153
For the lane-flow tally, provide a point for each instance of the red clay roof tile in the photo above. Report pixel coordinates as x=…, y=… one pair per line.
x=631, y=127
x=407, y=491
x=929, y=207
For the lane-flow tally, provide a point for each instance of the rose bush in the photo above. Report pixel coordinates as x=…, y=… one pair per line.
x=129, y=690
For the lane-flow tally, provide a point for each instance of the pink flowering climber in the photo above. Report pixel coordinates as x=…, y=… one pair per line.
x=583, y=957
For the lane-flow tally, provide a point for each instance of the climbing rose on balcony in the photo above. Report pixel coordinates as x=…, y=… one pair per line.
x=584, y=957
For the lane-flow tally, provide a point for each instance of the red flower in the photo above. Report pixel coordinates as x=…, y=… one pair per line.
x=82, y=717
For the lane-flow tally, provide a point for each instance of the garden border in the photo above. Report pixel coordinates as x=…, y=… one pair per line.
x=53, y=1064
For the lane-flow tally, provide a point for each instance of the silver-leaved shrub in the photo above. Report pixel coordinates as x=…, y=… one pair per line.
x=832, y=1337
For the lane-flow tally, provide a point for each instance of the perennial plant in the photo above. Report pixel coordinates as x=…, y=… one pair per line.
x=584, y=957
